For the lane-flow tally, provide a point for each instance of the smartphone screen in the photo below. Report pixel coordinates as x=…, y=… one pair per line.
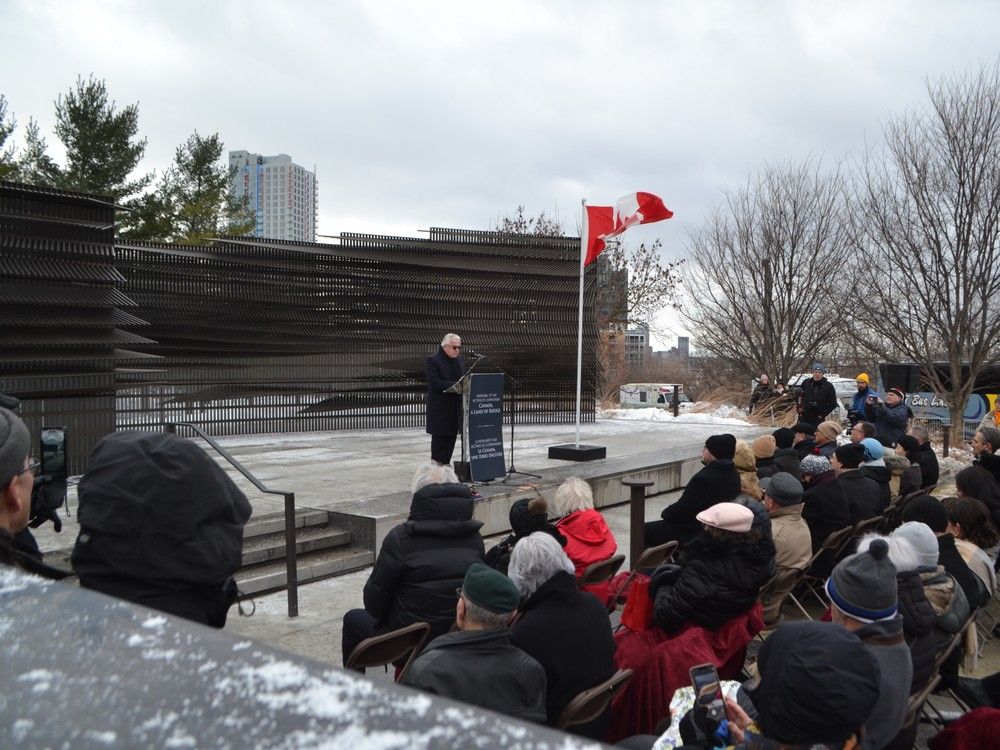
x=705, y=682
x=52, y=442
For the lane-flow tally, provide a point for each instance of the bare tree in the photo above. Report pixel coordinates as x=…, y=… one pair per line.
x=928, y=229
x=637, y=283
x=765, y=287
x=519, y=223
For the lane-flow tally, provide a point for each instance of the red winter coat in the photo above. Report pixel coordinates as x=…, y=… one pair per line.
x=588, y=540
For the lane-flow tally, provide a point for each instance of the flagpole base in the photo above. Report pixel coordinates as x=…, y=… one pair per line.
x=574, y=452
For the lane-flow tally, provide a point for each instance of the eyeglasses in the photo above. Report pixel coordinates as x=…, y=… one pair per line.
x=458, y=592
x=454, y=346
x=33, y=467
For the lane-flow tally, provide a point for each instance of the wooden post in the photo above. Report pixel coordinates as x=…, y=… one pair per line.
x=637, y=516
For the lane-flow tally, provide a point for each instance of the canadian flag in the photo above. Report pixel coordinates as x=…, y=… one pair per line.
x=604, y=221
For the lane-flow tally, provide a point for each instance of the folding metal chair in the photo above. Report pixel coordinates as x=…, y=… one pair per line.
x=591, y=703
x=600, y=571
x=382, y=650
x=650, y=558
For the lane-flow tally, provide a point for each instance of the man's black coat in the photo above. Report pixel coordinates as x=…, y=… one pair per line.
x=444, y=410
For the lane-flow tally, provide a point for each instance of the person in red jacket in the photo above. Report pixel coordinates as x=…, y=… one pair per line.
x=588, y=538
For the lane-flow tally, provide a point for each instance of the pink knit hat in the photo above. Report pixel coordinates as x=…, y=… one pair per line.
x=727, y=516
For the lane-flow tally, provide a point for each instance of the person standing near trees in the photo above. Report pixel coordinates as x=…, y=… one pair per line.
x=762, y=392
x=818, y=397
x=890, y=416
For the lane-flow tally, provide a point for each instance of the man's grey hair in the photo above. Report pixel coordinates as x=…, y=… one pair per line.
x=920, y=433
x=534, y=560
x=990, y=436
x=449, y=337
x=901, y=553
x=432, y=473
x=485, y=619
x=574, y=494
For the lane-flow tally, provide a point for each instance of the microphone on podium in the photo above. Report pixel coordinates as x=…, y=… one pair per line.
x=474, y=353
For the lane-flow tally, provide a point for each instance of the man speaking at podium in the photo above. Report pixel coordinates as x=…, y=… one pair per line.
x=444, y=410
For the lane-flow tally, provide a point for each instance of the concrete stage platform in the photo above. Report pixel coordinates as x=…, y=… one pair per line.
x=361, y=478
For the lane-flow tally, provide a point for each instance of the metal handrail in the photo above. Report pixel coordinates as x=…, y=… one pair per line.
x=291, y=568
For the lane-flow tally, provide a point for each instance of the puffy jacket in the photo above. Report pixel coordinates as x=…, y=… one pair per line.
x=890, y=421
x=588, y=538
x=423, y=561
x=919, y=619
x=717, y=580
x=864, y=495
x=825, y=509
x=788, y=460
x=883, y=476
x=717, y=482
x=860, y=401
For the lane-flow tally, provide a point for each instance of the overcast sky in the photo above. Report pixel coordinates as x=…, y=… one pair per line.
x=419, y=114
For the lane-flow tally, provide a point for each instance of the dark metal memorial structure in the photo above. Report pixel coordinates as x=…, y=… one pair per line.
x=259, y=336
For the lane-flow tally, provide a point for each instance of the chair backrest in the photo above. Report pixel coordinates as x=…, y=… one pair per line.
x=651, y=558
x=782, y=581
x=952, y=644
x=863, y=527
x=600, y=571
x=389, y=647
x=591, y=703
x=832, y=545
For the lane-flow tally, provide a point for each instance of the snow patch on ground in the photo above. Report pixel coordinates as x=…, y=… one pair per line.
x=725, y=414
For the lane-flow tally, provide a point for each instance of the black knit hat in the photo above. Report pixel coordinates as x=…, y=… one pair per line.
x=850, y=455
x=722, y=446
x=863, y=585
x=909, y=443
x=805, y=428
x=929, y=510
x=806, y=668
x=490, y=589
x=784, y=437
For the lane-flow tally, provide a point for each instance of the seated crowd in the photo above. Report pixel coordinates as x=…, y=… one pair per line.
x=791, y=515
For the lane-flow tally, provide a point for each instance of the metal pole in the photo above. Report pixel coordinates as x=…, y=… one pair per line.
x=291, y=567
x=579, y=326
x=637, y=517
x=676, y=402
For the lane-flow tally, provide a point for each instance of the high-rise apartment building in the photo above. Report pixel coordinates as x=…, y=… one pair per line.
x=282, y=195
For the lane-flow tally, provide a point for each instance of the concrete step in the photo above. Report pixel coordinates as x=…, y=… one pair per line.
x=271, y=523
x=266, y=547
x=311, y=567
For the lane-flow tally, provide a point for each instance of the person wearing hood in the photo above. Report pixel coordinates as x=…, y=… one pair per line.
x=890, y=416
x=421, y=562
x=864, y=495
x=746, y=464
x=763, y=448
x=874, y=466
x=824, y=504
x=527, y=516
x=442, y=370
x=864, y=599
x=161, y=525
x=720, y=572
x=558, y=624
x=816, y=687
x=805, y=439
x=818, y=398
x=826, y=438
x=718, y=481
x=786, y=458
x=857, y=411
x=588, y=538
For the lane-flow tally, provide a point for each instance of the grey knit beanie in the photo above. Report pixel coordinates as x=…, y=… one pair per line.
x=863, y=585
x=15, y=445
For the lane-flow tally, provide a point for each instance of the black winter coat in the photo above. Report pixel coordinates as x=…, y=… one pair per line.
x=768, y=467
x=864, y=496
x=717, y=581
x=929, y=469
x=890, y=421
x=423, y=561
x=567, y=631
x=825, y=507
x=716, y=482
x=805, y=448
x=818, y=399
x=444, y=410
x=788, y=460
x=882, y=475
x=919, y=618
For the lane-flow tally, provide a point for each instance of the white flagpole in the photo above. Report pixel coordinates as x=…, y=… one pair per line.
x=579, y=328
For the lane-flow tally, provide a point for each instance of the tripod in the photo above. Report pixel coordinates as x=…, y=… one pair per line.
x=514, y=384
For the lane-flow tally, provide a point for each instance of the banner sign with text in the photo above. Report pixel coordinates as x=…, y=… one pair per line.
x=486, y=457
x=929, y=406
